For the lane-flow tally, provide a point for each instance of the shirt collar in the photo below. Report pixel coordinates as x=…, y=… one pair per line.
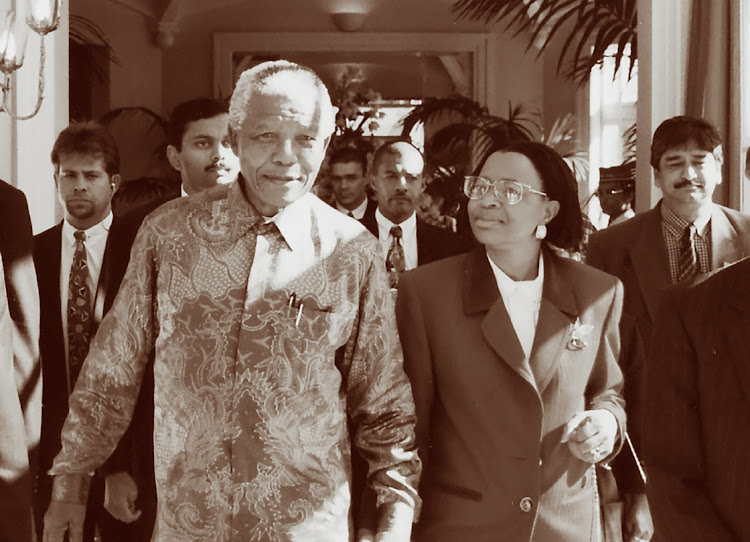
x=508, y=286
x=293, y=222
x=93, y=232
x=408, y=226
x=358, y=211
x=676, y=225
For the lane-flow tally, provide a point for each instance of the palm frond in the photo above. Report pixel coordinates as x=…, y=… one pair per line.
x=591, y=27
x=434, y=108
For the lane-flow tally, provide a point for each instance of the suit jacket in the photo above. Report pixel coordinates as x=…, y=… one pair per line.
x=695, y=435
x=47, y=255
x=22, y=302
x=433, y=243
x=489, y=422
x=635, y=252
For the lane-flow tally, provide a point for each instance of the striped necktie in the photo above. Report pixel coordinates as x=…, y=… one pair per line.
x=79, y=309
x=688, y=266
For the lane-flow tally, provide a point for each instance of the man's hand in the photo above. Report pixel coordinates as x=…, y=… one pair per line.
x=62, y=517
x=637, y=525
x=591, y=435
x=120, y=493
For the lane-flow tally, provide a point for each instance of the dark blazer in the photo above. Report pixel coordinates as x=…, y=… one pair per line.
x=489, y=423
x=23, y=305
x=47, y=254
x=433, y=243
x=695, y=432
x=635, y=252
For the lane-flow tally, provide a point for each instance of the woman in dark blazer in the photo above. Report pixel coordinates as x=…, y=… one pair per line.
x=512, y=354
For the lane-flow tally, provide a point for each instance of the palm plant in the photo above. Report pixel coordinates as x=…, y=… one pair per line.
x=589, y=27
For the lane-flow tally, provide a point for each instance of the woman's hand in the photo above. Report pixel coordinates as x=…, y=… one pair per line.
x=591, y=435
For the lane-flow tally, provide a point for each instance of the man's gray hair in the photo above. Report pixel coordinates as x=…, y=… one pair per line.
x=256, y=79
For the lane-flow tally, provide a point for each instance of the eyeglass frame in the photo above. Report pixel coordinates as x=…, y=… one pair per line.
x=493, y=184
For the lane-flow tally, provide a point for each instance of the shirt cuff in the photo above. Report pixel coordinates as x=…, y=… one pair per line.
x=71, y=488
x=395, y=519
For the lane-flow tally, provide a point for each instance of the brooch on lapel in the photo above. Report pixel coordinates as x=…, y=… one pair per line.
x=579, y=334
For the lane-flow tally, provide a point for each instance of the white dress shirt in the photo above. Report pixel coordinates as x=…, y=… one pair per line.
x=408, y=237
x=522, y=301
x=95, y=243
x=358, y=211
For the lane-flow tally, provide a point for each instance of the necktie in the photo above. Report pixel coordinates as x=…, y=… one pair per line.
x=688, y=266
x=79, y=309
x=395, y=262
x=350, y=214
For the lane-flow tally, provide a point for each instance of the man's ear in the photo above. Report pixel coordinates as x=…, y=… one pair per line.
x=233, y=141
x=173, y=155
x=115, y=181
x=719, y=154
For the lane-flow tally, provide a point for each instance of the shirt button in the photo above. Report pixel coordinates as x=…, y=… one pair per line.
x=526, y=504
x=540, y=461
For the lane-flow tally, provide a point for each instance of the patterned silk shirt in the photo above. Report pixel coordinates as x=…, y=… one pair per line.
x=275, y=343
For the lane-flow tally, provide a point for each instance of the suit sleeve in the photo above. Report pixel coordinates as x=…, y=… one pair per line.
x=15, y=478
x=23, y=305
x=672, y=442
x=604, y=390
x=379, y=399
x=104, y=398
x=417, y=359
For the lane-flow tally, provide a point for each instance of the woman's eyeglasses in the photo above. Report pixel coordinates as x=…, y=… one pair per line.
x=506, y=191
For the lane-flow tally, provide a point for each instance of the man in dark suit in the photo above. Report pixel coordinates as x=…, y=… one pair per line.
x=80, y=263
x=347, y=170
x=21, y=372
x=684, y=236
x=406, y=240
x=697, y=411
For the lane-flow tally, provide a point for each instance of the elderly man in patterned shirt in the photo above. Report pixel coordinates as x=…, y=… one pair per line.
x=275, y=343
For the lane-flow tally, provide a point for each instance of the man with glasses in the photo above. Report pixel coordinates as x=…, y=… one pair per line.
x=684, y=236
x=406, y=241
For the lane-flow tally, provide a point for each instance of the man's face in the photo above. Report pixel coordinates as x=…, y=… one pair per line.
x=398, y=181
x=84, y=188
x=615, y=197
x=687, y=176
x=282, y=141
x=348, y=183
x=206, y=158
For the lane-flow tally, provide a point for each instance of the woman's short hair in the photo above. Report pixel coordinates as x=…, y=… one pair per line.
x=565, y=230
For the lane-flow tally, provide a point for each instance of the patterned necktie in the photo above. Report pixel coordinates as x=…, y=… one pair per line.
x=79, y=309
x=688, y=266
x=395, y=262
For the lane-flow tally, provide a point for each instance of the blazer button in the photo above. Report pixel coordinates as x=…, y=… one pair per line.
x=526, y=504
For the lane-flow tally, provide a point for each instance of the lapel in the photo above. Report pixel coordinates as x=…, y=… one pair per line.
x=423, y=244
x=556, y=314
x=48, y=253
x=724, y=238
x=648, y=253
x=737, y=323
x=480, y=295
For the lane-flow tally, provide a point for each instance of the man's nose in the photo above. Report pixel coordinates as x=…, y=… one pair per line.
x=690, y=172
x=79, y=184
x=285, y=152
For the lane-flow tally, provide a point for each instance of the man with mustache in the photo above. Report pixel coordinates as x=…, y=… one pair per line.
x=406, y=241
x=686, y=235
x=199, y=146
x=79, y=265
